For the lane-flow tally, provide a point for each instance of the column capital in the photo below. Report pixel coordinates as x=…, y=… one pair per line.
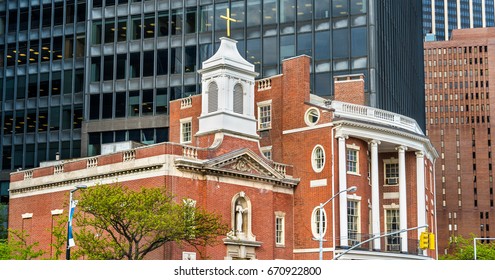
x=374, y=142
x=401, y=148
x=343, y=136
x=420, y=154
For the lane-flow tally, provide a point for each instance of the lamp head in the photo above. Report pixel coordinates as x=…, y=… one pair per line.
x=352, y=189
x=79, y=187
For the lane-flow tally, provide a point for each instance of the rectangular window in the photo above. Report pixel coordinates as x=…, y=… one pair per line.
x=264, y=116
x=122, y=30
x=136, y=28
x=353, y=222
x=133, y=104
x=109, y=31
x=147, y=103
x=149, y=26
x=392, y=225
x=279, y=231
x=391, y=174
x=186, y=131
x=161, y=101
x=120, y=104
x=352, y=160
x=121, y=66
x=163, y=24
x=134, y=65
x=267, y=152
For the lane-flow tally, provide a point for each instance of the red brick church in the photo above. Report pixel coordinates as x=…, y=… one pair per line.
x=265, y=154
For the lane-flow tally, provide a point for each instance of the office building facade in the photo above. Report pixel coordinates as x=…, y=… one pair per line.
x=105, y=70
x=458, y=101
x=440, y=17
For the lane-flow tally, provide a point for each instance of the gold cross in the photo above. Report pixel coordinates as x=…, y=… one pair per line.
x=228, y=19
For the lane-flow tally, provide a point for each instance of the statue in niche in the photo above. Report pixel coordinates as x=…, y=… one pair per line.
x=240, y=218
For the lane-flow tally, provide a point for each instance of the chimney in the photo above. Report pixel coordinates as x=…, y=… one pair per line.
x=350, y=89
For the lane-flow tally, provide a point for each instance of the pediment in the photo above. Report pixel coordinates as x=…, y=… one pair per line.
x=244, y=162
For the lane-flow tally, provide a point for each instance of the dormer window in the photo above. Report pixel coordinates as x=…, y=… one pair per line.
x=212, y=97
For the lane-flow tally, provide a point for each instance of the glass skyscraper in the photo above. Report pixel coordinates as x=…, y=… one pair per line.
x=76, y=74
x=440, y=16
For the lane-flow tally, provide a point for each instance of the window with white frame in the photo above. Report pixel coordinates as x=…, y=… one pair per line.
x=267, y=152
x=312, y=116
x=279, y=228
x=392, y=225
x=353, y=222
x=352, y=160
x=315, y=222
x=265, y=115
x=186, y=130
x=391, y=172
x=318, y=158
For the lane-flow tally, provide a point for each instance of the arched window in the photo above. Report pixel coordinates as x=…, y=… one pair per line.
x=316, y=219
x=238, y=100
x=212, y=97
x=318, y=158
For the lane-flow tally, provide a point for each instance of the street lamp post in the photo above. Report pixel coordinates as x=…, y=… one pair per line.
x=69, y=222
x=320, y=229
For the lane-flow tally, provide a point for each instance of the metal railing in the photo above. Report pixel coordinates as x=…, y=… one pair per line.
x=389, y=244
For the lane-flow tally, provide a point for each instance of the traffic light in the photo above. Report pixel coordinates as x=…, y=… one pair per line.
x=431, y=241
x=423, y=240
x=427, y=241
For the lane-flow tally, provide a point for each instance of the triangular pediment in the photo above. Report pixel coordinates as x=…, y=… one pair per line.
x=242, y=163
x=246, y=162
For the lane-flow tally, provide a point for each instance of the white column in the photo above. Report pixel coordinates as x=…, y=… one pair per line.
x=402, y=196
x=375, y=195
x=446, y=19
x=483, y=13
x=343, y=195
x=433, y=18
x=471, y=23
x=420, y=189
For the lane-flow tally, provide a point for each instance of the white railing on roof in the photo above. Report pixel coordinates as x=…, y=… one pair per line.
x=28, y=174
x=190, y=152
x=128, y=155
x=58, y=169
x=92, y=162
x=186, y=102
x=264, y=84
x=280, y=168
x=370, y=114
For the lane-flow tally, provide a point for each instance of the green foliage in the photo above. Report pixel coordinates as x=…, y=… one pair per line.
x=3, y=221
x=17, y=247
x=60, y=238
x=118, y=223
x=463, y=249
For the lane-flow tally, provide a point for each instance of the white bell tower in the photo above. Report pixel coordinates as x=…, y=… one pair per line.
x=227, y=92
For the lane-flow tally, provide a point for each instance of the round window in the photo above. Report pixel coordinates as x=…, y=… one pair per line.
x=312, y=116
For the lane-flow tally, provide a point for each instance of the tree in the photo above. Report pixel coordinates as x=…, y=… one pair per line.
x=118, y=223
x=463, y=249
x=16, y=247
